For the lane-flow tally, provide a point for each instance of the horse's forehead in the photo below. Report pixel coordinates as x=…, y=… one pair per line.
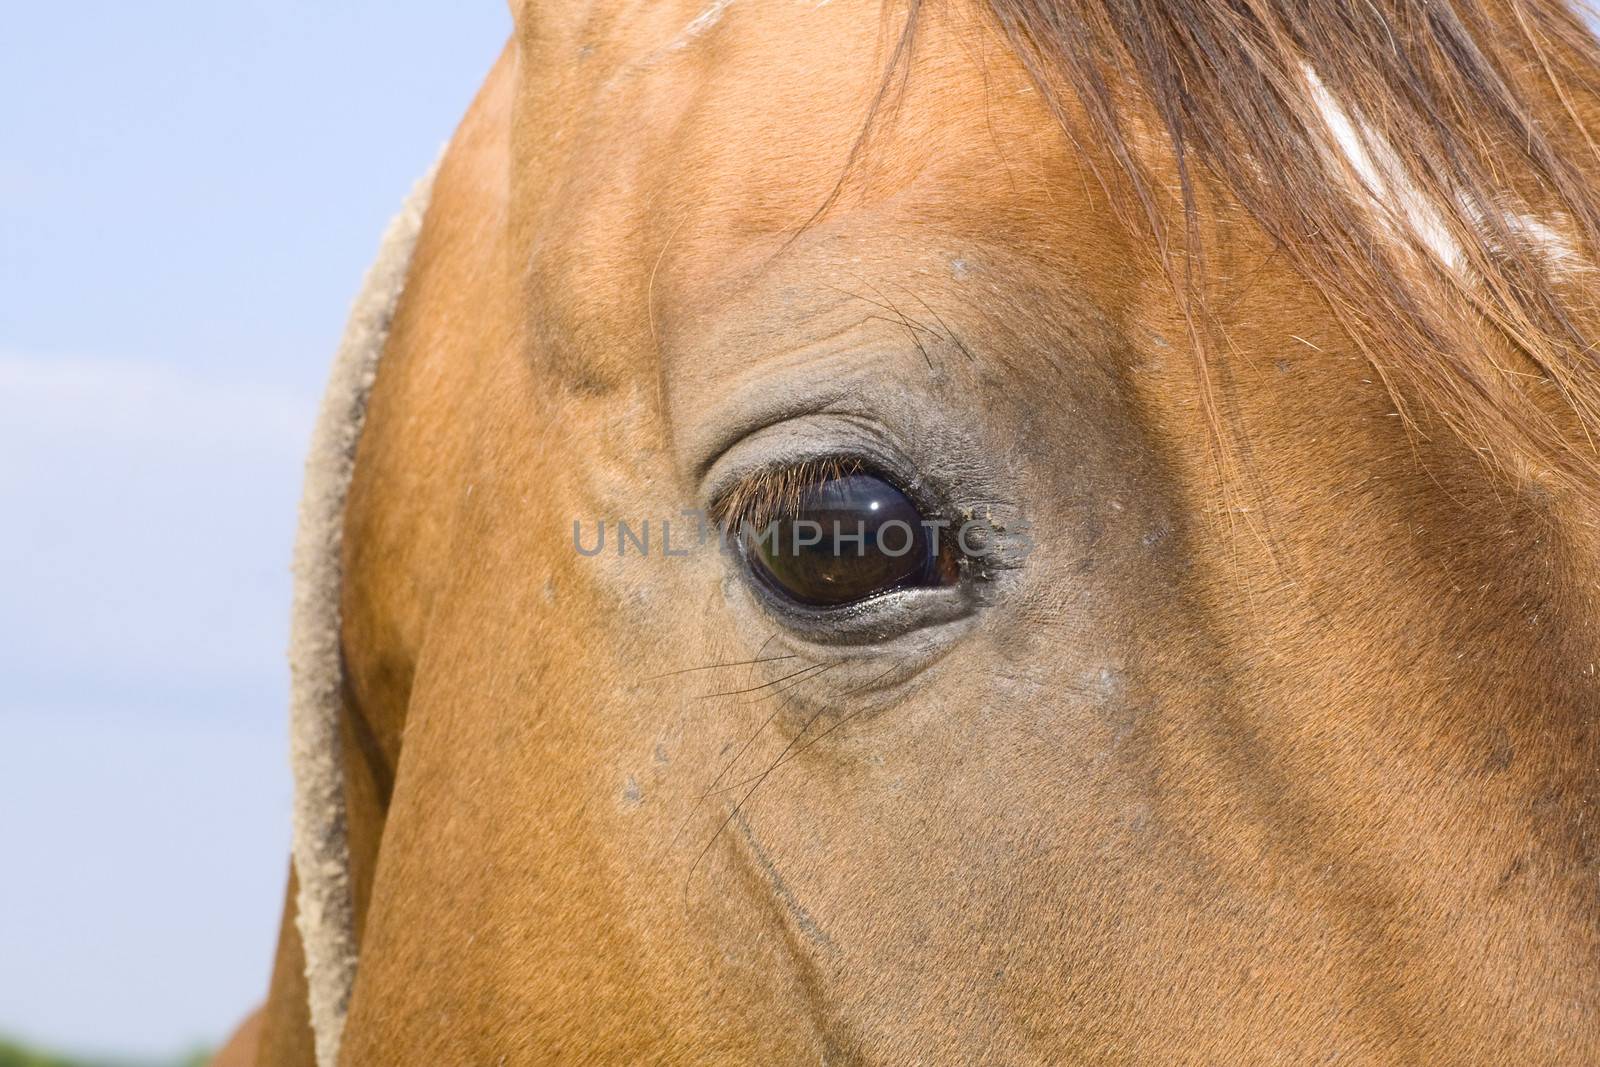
x=716, y=138
x=755, y=109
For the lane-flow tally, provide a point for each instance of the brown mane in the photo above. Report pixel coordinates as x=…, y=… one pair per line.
x=1482, y=109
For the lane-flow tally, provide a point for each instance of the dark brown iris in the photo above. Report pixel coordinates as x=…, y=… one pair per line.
x=848, y=538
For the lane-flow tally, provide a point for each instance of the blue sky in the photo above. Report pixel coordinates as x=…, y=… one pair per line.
x=188, y=196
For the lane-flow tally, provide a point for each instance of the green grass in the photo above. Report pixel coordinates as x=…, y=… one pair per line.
x=15, y=1054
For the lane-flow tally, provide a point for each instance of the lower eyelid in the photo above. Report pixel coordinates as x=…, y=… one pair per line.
x=869, y=624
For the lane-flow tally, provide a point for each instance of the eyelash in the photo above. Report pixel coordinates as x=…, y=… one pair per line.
x=774, y=492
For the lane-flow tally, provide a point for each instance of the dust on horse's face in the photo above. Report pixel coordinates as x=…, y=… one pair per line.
x=1144, y=771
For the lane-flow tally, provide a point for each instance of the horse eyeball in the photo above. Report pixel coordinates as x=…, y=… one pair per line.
x=847, y=538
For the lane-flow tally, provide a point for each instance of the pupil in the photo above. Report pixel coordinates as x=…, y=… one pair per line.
x=848, y=538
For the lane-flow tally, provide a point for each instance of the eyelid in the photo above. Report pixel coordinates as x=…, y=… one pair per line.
x=868, y=622
x=948, y=476
x=743, y=481
x=945, y=492
x=773, y=491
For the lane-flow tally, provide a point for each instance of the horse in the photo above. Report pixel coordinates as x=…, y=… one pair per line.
x=1207, y=395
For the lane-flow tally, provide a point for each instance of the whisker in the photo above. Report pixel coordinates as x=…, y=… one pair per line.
x=764, y=685
x=950, y=334
x=714, y=666
x=881, y=304
x=782, y=759
x=689, y=818
x=712, y=788
x=911, y=326
x=759, y=658
x=732, y=815
x=737, y=807
x=908, y=324
x=688, y=878
x=783, y=685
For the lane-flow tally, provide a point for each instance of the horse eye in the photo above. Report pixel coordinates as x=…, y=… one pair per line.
x=848, y=538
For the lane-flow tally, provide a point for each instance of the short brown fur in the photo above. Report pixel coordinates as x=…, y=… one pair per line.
x=1283, y=747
